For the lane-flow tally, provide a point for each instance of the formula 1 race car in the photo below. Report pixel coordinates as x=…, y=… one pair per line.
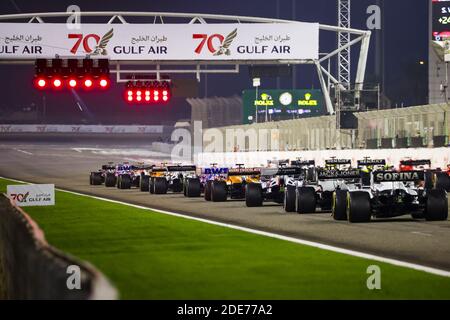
x=390, y=194
x=99, y=177
x=165, y=178
x=130, y=175
x=274, y=183
x=196, y=184
x=434, y=178
x=318, y=192
x=233, y=186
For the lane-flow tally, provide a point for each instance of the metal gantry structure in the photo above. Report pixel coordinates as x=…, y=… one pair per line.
x=344, y=57
x=198, y=67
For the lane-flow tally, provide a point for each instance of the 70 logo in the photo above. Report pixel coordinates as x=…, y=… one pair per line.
x=208, y=40
x=20, y=196
x=81, y=39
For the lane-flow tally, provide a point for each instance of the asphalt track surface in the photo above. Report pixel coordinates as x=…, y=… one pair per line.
x=67, y=161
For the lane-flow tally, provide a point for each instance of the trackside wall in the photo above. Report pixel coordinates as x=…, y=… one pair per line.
x=31, y=269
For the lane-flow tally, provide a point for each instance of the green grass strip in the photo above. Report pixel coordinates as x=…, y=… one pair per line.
x=149, y=255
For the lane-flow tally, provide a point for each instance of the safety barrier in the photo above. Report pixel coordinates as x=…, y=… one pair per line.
x=32, y=269
x=76, y=128
x=439, y=157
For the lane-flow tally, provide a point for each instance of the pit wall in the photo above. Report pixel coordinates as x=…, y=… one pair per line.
x=439, y=157
x=32, y=269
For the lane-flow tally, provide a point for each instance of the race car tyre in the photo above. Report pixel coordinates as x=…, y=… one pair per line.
x=185, y=182
x=160, y=185
x=442, y=181
x=95, y=179
x=177, y=186
x=124, y=181
x=437, y=205
x=289, y=199
x=208, y=190
x=193, y=188
x=110, y=180
x=339, y=205
x=136, y=182
x=219, y=191
x=151, y=185
x=144, y=183
x=428, y=180
x=253, y=195
x=358, y=207
x=305, y=200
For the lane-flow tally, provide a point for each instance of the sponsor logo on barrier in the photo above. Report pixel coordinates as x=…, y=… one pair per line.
x=32, y=194
x=41, y=128
x=5, y=128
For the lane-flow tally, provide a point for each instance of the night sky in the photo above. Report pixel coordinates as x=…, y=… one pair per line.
x=406, y=43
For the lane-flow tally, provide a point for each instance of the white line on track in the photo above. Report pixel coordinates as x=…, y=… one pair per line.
x=318, y=245
x=23, y=151
x=422, y=233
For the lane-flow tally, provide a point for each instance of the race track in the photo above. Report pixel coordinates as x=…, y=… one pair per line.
x=67, y=162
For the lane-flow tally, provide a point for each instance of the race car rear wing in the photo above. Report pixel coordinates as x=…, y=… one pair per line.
x=394, y=176
x=339, y=174
x=371, y=162
x=415, y=162
x=108, y=167
x=143, y=167
x=338, y=161
x=244, y=172
x=159, y=169
x=303, y=163
x=181, y=168
x=284, y=171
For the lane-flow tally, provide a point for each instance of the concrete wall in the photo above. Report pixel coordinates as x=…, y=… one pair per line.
x=31, y=269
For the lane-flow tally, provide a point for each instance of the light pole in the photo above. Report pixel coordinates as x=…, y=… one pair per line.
x=256, y=84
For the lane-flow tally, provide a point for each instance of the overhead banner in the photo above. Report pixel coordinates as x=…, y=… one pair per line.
x=280, y=41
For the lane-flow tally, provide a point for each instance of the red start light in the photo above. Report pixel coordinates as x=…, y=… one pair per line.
x=57, y=83
x=72, y=83
x=146, y=93
x=88, y=83
x=104, y=83
x=41, y=83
